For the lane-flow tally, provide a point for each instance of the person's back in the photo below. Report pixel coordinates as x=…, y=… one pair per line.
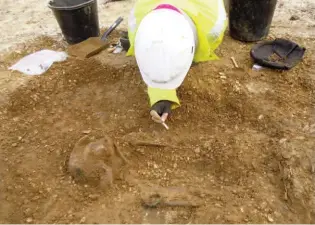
x=166, y=39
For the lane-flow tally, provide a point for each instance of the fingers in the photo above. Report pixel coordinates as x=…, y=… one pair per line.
x=157, y=120
x=155, y=116
x=164, y=117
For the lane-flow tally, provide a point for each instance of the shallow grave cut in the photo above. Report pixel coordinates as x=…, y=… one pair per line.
x=240, y=149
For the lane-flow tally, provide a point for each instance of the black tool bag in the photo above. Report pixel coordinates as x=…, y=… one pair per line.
x=278, y=54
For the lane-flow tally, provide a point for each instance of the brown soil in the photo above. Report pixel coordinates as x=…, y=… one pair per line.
x=239, y=150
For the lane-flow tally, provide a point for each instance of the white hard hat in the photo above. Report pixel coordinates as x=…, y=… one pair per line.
x=164, y=48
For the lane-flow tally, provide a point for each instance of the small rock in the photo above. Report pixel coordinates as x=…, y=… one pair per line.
x=35, y=198
x=197, y=150
x=155, y=166
x=282, y=140
x=83, y=219
x=27, y=211
x=260, y=117
x=86, y=131
x=93, y=196
x=270, y=219
x=294, y=17
x=29, y=220
x=286, y=155
x=263, y=205
x=223, y=77
x=14, y=144
x=300, y=138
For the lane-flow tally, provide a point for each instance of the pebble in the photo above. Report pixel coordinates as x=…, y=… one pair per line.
x=14, y=144
x=29, y=220
x=263, y=205
x=286, y=155
x=300, y=138
x=282, y=140
x=260, y=117
x=197, y=150
x=83, y=219
x=294, y=17
x=270, y=219
x=94, y=196
x=27, y=211
x=86, y=131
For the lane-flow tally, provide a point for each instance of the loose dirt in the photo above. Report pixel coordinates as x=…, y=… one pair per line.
x=240, y=149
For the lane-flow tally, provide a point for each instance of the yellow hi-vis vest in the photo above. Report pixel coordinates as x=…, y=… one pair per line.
x=210, y=20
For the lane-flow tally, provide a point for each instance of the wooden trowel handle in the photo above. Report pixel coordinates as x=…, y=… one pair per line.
x=111, y=28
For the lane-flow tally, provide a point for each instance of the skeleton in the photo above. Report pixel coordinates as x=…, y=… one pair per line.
x=95, y=162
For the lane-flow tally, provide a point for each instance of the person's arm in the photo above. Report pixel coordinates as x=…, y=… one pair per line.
x=162, y=101
x=156, y=95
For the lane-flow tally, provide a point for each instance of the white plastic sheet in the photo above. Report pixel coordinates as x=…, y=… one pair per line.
x=38, y=62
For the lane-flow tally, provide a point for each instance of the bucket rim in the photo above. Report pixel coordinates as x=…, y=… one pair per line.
x=70, y=7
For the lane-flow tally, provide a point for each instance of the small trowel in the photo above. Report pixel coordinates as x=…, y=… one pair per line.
x=93, y=45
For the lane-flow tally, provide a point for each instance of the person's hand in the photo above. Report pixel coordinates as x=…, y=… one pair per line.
x=160, y=111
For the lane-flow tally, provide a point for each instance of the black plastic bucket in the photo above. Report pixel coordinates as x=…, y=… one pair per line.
x=250, y=20
x=77, y=19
